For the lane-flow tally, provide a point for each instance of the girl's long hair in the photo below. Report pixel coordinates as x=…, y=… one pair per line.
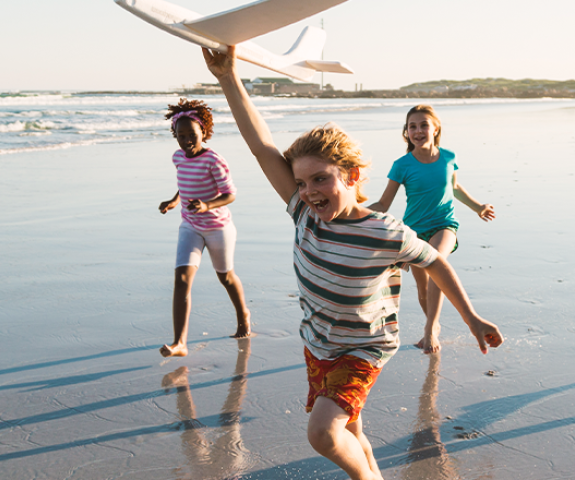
x=428, y=110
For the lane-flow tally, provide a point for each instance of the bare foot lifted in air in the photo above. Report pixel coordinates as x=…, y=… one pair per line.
x=174, y=350
x=244, y=326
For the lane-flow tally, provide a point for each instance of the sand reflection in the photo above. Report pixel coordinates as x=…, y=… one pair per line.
x=213, y=454
x=427, y=457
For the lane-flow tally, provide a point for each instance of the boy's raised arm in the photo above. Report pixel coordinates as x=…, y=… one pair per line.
x=251, y=124
x=447, y=280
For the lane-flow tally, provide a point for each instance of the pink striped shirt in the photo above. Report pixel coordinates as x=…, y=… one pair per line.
x=204, y=177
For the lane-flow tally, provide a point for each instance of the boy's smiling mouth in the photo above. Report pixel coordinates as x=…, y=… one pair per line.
x=320, y=206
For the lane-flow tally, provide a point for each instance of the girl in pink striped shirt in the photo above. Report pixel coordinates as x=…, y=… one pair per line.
x=205, y=187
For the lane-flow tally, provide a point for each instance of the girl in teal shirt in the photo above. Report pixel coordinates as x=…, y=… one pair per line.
x=428, y=173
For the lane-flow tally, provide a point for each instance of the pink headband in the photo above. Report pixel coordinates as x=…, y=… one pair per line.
x=190, y=113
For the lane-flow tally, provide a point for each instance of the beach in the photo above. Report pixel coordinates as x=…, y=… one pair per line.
x=85, y=303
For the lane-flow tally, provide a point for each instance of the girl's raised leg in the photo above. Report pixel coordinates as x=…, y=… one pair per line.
x=181, y=308
x=235, y=290
x=430, y=296
x=328, y=435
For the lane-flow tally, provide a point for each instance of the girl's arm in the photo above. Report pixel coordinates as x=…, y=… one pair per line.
x=197, y=206
x=387, y=198
x=251, y=124
x=447, y=280
x=485, y=211
x=169, y=204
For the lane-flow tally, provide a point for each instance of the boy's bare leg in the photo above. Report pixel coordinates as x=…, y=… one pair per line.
x=235, y=290
x=328, y=435
x=357, y=429
x=443, y=241
x=181, y=308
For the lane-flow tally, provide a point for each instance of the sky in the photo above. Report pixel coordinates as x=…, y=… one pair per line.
x=96, y=45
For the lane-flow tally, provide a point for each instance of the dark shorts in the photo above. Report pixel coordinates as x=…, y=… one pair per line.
x=346, y=380
x=426, y=236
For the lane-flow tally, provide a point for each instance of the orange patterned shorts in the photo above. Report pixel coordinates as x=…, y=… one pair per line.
x=346, y=380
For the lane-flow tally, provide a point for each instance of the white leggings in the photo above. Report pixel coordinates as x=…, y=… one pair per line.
x=221, y=243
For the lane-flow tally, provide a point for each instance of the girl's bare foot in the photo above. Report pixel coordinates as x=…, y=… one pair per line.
x=429, y=344
x=244, y=326
x=174, y=350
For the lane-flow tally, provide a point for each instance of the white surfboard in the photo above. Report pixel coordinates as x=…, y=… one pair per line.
x=238, y=26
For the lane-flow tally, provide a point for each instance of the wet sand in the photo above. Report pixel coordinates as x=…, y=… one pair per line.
x=87, y=265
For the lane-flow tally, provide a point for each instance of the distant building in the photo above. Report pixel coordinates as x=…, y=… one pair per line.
x=199, y=89
x=257, y=86
x=280, y=86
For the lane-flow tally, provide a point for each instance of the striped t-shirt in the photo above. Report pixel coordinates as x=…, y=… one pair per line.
x=348, y=272
x=204, y=177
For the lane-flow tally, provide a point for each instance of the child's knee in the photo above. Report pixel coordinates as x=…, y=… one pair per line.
x=320, y=438
x=183, y=279
x=226, y=279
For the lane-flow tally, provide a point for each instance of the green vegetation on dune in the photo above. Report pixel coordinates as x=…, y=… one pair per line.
x=473, y=88
x=495, y=83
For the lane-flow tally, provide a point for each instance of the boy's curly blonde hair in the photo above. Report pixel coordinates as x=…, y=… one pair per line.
x=332, y=144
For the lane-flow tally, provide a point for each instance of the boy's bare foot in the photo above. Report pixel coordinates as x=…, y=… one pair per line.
x=244, y=326
x=174, y=350
x=429, y=344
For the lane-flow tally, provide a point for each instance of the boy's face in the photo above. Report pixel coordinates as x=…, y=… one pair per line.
x=189, y=135
x=421, y=130
x=324, y=188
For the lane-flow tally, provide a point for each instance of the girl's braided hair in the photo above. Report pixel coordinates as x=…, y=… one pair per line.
x=202, y=111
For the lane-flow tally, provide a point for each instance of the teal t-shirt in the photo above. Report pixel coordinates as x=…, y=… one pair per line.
x=429, y=190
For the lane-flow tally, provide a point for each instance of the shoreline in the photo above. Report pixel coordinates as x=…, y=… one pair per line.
x=473, y=88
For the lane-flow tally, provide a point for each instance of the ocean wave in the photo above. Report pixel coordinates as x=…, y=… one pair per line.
x=224, y=119
x=36, y=148
x=35, y=134
x=118, y=113
x=126, y=125
x=66, y=100
x=22, y=113
x=53, y=121
x=60, y=146
x=19, y=126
